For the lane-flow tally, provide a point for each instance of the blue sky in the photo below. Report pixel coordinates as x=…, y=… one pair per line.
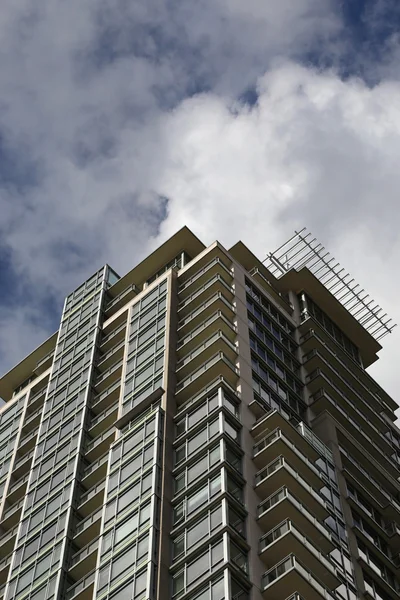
x=121, y=121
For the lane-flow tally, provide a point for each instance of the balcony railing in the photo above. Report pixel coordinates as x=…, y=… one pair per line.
x=391, y=500
x=277, y=434
x=92, y=492
x=281, y=463
x=207, y=365
x=102, y=395
x=23, y=459
x=313, y=334
x=92, y=518
x=219, y=335
x=38, y=394
x=314, y=353
x=112, y=334
x=288, y=527
x=80, y=586
x=203, y=271
x=284, y=494
x=200, y=309
x=292, y=563
x=108, y=372
x=203, y=326
x=130, y=288
x=215, y=279
x=86, y=551
x=98, y=463
x=106, y=434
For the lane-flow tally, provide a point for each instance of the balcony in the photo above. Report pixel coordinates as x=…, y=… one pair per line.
x=27, y=441
x=37, y=398
x=4, y=568
x=105, y=399
x=212, y=286
x=201, y=263
x=216, y=302
x=106, y=360
x=114, y=304
x=97, y=447
x=312, y=363
x=12, y=515
x=193, y=360
x=374, y=572
x=7, y=541
x=375, y=491
x=108, y=377
x=32, y=420
x=283, y=505
x=289, y=577
x=103, y=420
x=369, y=457
x=17, y=489
x=83, y=589
x=280, y=474
x=392, y=563
x=88, y=529
x=95, y=472
x=44, y=363
x=92, y=499
x=321, y=401
x=84, y=561
x=276, y=419
x=23, y=464
x=195, y=338
x=214, y=267
x=286, y=538
x=319, y=339
x=281, y=299
x=218, y=365
x=277, y=444
x=115, y=336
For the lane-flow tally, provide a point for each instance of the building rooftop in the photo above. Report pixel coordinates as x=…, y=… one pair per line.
x=286, y=270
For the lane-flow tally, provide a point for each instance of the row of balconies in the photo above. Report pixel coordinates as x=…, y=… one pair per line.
x=312, y=340
x=356, y=403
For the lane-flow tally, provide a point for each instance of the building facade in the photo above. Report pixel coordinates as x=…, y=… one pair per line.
x=202, y=428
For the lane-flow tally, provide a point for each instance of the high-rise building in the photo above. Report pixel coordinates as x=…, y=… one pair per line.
x=203, y=428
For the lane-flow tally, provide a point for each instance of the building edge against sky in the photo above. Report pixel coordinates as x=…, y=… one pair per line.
x=203, y=428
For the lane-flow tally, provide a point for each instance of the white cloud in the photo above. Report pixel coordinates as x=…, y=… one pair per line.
x=315, y=151
x=96, y=128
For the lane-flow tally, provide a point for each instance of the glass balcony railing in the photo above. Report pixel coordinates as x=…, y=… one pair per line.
x=287, y=527
x=215, y=279
x=281, y=463
x=277, y=434
x=84, y=552
x=110, y=353
x=78, y=587
x=292, y=563
x=215, y=262
x=195, y=332
x=219, y=335
x=219, y=356
x=92, y=518
x=200, y=309
x=112, y=334
x=132, y=288
x=391, y=500
x=98, y=463
x=284, y=494
x=105, y=435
